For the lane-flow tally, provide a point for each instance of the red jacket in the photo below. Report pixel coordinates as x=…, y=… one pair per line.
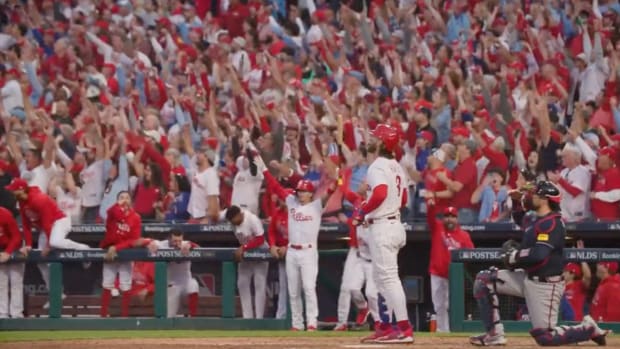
x=576, y=293
x=442, y=242
x=277, y=232
x=38, y=211
x=123, y=228
x=10, y=238
x=142, y=278
x=605, y=302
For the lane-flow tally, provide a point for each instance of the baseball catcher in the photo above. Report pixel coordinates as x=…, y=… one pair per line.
x=534, y=272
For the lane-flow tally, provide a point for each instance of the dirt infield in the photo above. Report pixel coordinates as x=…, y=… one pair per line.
x=267, y=343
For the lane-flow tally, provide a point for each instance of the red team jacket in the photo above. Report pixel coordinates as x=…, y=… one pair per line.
x=605, y=302
x=576, y=293
x=142, y=278
x=442, y=242
x=38, y=211
x=10, y=238
x=277, y=232
x=123, y=227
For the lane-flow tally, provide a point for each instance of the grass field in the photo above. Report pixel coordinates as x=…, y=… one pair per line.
x=233, y=340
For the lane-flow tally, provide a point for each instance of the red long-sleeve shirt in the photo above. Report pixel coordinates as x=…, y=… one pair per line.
x=605, y=302
x=10, y=238
x=442, y=242
x=38, y=211
x=123, y=228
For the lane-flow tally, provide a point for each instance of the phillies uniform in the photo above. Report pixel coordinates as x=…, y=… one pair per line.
x=41, y=212
x=605, y=302
x=11, y=274
x=302, y=257
x=442, y=242
x=142, y=279
x=180, y=282
x=605, y=204
x=123, y=227
x=251, y=235
x=387, y=179
x=277, y=234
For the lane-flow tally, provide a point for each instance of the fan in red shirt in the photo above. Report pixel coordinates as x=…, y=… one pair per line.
x=10, y=273
x=605, y=302
x=434, y=188
x=41, y=212
x=123, y=227
x=277, y=236
x=605, y=194
x=235, y=16
x=446, y=235
x=577, y=279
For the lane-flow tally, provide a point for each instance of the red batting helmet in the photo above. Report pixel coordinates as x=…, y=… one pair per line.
x=388, y=136
x=305, y=185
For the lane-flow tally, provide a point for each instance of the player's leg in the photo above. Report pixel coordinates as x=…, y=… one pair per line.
x=293, y=278
x=107, y=284
x=244, y=280
x=309, y=272
x=440, y=297
x=346, y=288
x=282, y=291
x=58, y=236
x=487, y=285
x=389, y=237
x=125, y=270
x=4, y=291
x=260, y=288
x=174, y=300
x=543, y=303
x=16, y=279
x=371, y=292
x=191, y=290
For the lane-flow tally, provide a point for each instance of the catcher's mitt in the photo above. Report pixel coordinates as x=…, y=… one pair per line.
x=510, y=245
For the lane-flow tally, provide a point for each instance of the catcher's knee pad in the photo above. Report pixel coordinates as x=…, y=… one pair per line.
x=561, y=335
x=484, y=285
x=486, y=297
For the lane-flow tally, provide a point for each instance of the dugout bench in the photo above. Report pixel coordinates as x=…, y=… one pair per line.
x=459, y=322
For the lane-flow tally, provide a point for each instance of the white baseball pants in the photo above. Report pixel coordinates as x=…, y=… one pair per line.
x=58, y=239
x=12, y=283
x=387, y=237
x=302, y=268
x=248, y=271
x=440, y=294
x=124, y=271
x=176, y=292
x=282, y=291
x=351, y=287
x=371, y=290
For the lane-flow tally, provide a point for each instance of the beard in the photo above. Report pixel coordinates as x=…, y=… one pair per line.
x=450, y=225
x=372, y=148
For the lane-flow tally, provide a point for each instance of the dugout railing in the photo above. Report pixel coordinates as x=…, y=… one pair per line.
x=463, y=321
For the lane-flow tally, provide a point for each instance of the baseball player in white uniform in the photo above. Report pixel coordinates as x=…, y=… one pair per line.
x=302, y=257
x=180, y=281
x=11, y=274
x=387, y=182
x=250, y=233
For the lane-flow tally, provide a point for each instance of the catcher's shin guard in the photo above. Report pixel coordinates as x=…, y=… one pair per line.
x=486, y=297
x=562, y=335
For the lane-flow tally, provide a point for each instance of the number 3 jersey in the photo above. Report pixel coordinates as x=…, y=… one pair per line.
x=388, y=172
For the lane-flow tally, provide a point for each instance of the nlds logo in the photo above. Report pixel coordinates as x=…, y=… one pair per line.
x=299, y=216
x=583, y=255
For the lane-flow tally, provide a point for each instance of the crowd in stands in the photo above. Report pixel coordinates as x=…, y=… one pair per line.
x=169, y=99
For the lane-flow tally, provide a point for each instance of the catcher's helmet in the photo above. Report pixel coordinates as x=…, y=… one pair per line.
x=548, y=190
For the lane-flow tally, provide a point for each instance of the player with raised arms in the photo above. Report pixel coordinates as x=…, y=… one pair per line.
x=302, y=257
x=381, y=212
x=534, y=272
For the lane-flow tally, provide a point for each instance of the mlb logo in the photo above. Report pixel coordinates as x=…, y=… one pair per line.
x=465, y=255
x=207, y=284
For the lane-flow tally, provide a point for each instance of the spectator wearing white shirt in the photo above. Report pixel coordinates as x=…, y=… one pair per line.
x=250, y=233
x=67, y=195
x=93, y=182
x=574, y=182
x=11, y=92
x=246, y=186
x=204, y=205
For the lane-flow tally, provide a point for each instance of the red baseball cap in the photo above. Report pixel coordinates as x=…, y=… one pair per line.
x=451, y=211
x=460, y=131
x=609, y=151
x=611, y=266
x=179, y=171
x=17, y=184
x=573, y=268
